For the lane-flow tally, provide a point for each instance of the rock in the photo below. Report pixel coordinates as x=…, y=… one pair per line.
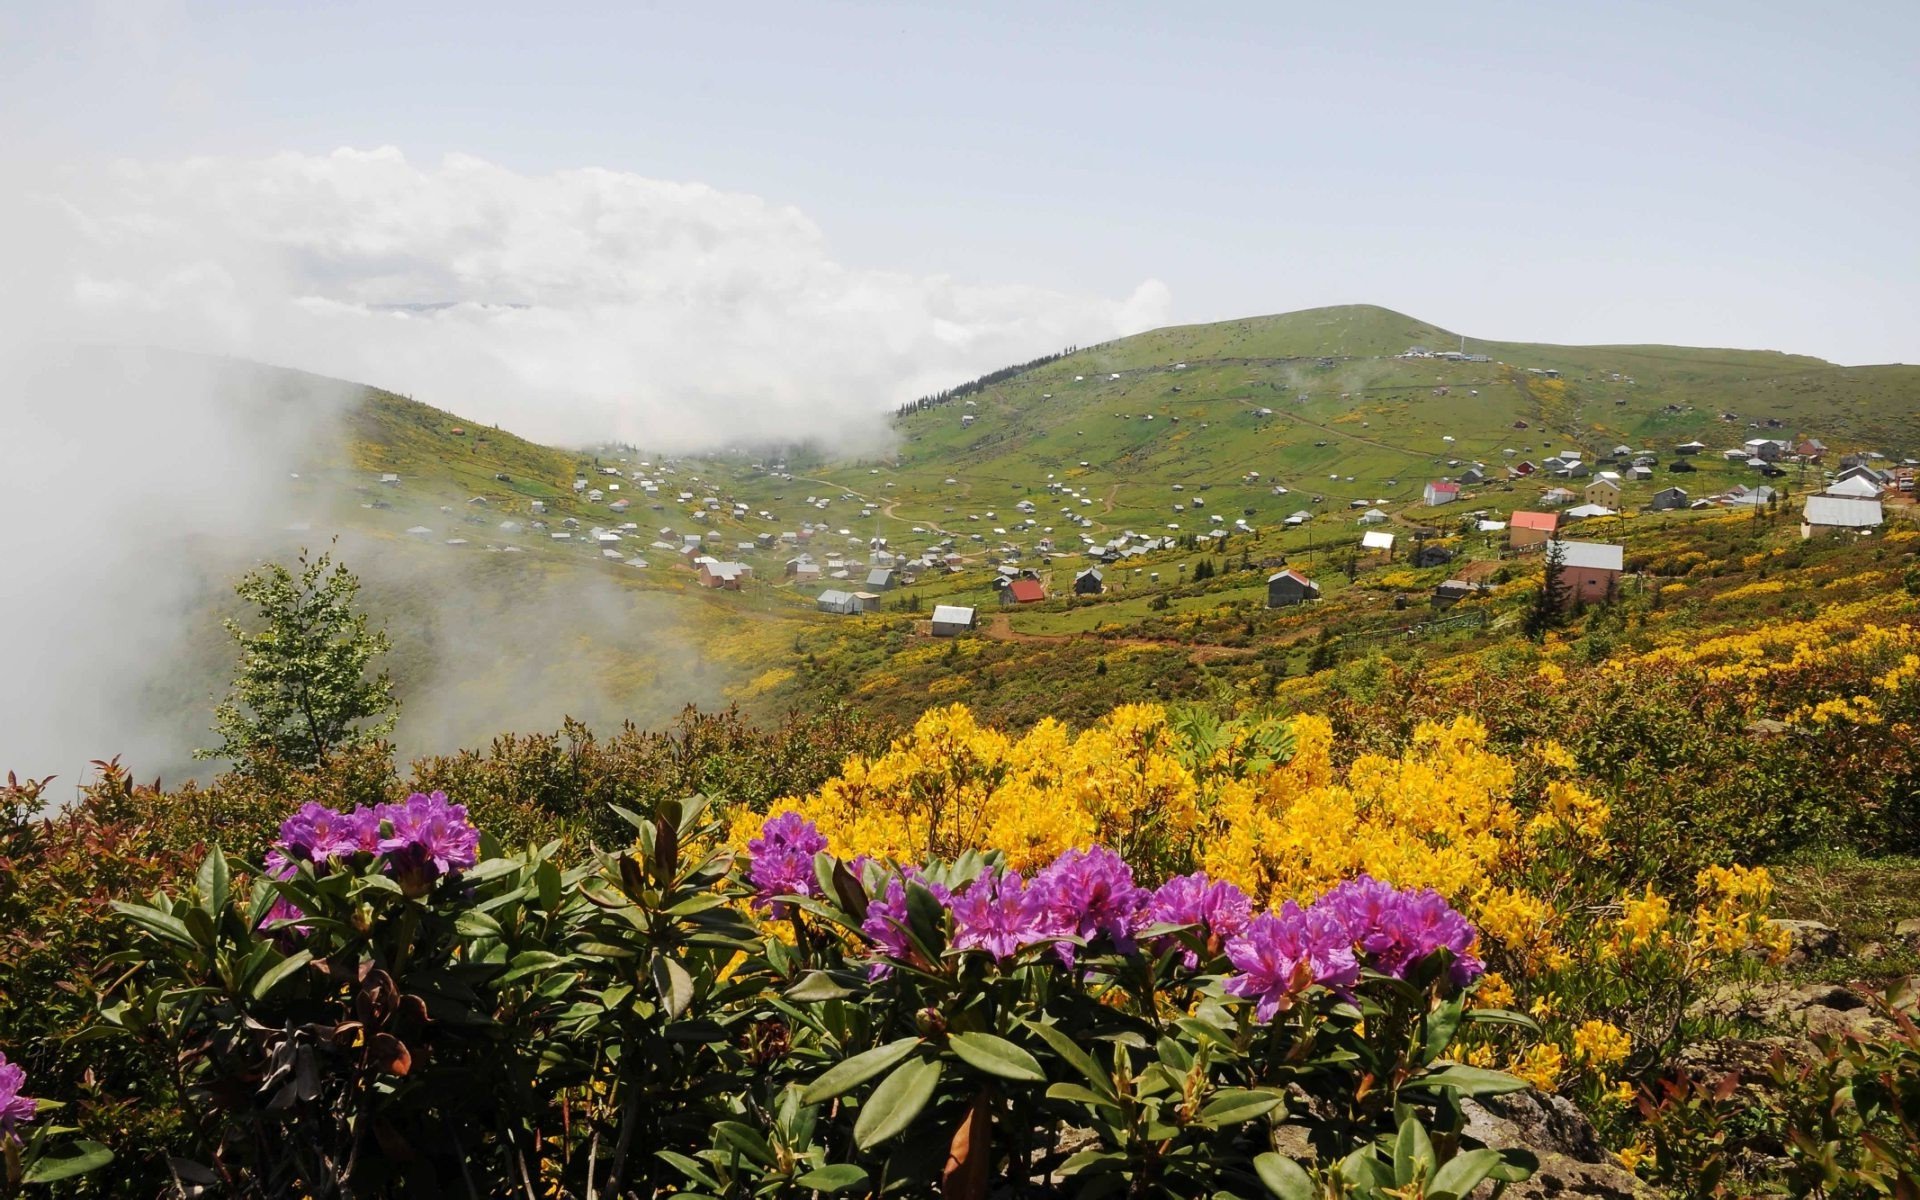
x=1572, y=1161
x=1872, y=952
x=1809, y=941
x=1796, y=1011
x=1745, y=1057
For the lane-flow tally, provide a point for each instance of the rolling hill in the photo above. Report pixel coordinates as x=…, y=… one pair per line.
x=1227, y=427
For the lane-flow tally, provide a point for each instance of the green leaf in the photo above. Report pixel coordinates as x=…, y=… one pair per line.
x=88, y=1156
x=163, y=925
x=1363, y=1170
x=1075, y=1057
x=1087, y=1159
x=996, y=1056
x=471, y=924
x=818, y=986
x=1470, y=1081
x=836, y=1177
x=853, y=1072
x=1462, y=1173
x=546, y=880
x=692, y=1168
x=1284, y=1177
x=745, y=1139
x=1231, y=1106
x=1516, y=1166
x=1081, y=1095
x=1412, y=1153
x=1502, y=1016
x=632, y=818
x=279, y=971
x=1442, y=1023
x=674, y=985
x=213, y=879
x=896, y=1102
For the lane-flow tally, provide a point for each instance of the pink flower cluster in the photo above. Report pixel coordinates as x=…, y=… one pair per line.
x=780, y=860
x=1088, y=898
x=15, y=1109
x=417, y=841
x=1362, y=923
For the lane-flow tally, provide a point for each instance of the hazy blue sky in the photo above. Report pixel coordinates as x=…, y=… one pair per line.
x=1737, y=174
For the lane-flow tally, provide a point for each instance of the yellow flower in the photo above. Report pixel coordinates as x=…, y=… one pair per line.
x=1494, y=992
x=1541, y=1066
x=1599, y=1045
x=1643, y=922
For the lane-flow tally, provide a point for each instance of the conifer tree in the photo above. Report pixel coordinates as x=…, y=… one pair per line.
x=1550, y=602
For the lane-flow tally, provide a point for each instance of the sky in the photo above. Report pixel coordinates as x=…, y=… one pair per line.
x=667, y=219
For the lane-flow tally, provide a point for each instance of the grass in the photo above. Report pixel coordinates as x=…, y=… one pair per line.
x=1864, y=898
x=1349, y=421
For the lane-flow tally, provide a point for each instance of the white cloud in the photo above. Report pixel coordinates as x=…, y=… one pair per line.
x=568, y=307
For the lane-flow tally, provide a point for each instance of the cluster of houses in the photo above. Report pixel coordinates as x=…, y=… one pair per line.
x=1851, y=503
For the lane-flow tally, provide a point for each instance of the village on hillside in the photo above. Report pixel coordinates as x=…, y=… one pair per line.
x=942, y=531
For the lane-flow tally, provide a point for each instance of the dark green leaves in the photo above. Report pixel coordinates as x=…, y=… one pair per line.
x=1470, y=1081
x=857, y=1070
x=896, y=1102
x=996, y=1056
x=86, y=1156
x=1283, y=1177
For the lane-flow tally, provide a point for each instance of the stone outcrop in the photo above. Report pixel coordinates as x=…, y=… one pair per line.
x=1572, y=1161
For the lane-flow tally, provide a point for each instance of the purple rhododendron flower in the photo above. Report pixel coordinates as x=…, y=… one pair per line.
x=1280, y=954
x=886, y=918
x=1089, y=894
x=15, y=1109
x=1393, y=929
x=1219, y=909
x=317, y=833
x=781, y=858
x=284, y=910
x=1000, y=914
x=425, y=832
x=361, y=831
x=321, y=835
x=279, y=866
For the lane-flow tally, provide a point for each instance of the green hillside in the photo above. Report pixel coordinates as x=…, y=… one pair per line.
x=1349, y=420
x=1214, y=429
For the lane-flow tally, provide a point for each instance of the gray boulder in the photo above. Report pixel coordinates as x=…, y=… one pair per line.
x=1572, y=1161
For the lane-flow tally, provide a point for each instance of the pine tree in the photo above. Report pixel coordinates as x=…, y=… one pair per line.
x=301, y=691
x=1550, y=602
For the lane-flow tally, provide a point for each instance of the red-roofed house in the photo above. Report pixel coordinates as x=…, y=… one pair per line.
x=1531, y=528
x=1026, y=591
x=1441, y=491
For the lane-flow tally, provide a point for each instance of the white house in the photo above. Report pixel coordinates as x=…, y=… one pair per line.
x=1832, y=514
x=950, y=620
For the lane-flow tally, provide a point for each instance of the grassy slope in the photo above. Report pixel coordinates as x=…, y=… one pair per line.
x=1329, y=376
x=1350, y=422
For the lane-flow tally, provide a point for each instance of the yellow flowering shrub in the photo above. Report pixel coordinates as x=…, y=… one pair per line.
x=1519, y=843
x=1600, y=1046
x=953, y=785
x=1439, y=817
x=1765, y=587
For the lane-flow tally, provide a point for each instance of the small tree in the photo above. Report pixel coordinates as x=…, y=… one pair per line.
x=1550, y=602
x=301, y=692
